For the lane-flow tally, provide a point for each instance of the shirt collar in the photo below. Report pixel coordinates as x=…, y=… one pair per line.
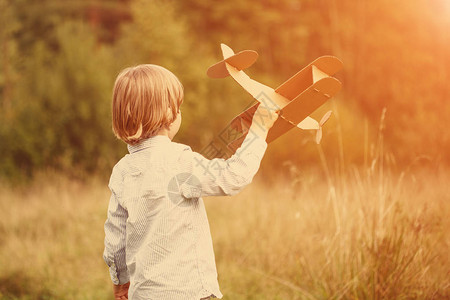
x=150, y=142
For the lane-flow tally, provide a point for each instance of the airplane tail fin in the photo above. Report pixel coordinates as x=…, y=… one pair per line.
x=240, y=61
x=226, y=51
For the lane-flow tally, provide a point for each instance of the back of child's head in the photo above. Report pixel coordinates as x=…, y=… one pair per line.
x=146, y=98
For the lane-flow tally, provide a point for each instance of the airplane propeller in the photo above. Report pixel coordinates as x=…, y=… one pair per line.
x=324, y=119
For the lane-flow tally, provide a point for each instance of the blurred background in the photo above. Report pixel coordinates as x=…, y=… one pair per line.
x=388, y=135
x=59, y=61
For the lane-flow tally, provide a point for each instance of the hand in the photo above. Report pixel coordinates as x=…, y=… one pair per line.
x=121, y=291
x=263, y=120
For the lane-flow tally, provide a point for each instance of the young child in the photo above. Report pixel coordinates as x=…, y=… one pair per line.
x=157, y=238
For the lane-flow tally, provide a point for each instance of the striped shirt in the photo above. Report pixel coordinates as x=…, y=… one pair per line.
x=157, y=233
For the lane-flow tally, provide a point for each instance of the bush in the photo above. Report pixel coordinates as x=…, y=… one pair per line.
x=59, y=116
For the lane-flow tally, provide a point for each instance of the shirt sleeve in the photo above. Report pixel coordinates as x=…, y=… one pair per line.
x=115, y=241
x=219, y=177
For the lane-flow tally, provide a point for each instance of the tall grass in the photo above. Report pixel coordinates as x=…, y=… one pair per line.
x=345, y=232
x=342, y=232
x=364, y=237
x=51, y=240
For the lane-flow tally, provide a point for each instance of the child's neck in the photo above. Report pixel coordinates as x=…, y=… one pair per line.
x=166, y=132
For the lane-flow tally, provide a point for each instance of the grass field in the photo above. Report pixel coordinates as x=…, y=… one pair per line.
x=358, y=234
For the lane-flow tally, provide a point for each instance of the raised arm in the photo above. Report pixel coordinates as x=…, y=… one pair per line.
x=227, y=177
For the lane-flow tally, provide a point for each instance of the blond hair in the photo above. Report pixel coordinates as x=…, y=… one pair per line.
x=145, y=99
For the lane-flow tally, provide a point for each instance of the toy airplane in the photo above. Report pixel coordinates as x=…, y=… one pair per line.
x=295, y=99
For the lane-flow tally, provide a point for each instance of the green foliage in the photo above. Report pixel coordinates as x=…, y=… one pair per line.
x=58, y=63
x=60, y=114
x=9, y=26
